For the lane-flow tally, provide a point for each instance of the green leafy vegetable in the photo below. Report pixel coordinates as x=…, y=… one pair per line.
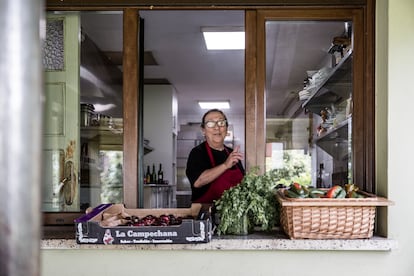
x=251, y=203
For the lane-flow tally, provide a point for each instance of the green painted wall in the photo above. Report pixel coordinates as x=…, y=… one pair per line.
x=395, y=131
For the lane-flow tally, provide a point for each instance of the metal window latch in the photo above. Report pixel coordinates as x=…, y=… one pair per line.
x=66, y=186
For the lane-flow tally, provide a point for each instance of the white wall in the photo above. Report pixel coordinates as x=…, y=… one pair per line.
x=400, y=65
x=158, y=128
x=395, y=92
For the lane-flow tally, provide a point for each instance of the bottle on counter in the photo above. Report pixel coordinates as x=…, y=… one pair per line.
x=148, y=175
x=154, y=175
x=160, y=175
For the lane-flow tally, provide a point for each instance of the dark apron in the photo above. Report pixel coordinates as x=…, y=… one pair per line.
x=225, y=181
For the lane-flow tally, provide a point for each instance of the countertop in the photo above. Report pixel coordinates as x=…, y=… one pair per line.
x=64, y=238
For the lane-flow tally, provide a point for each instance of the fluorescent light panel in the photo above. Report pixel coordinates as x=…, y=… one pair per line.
x=224, y=38
x=214, y=104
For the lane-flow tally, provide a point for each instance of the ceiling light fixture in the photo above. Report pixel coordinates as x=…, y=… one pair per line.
x=224, y=38
x=214, y=104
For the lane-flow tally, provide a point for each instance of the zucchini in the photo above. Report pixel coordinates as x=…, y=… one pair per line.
x=316, y=191
x=292, y=194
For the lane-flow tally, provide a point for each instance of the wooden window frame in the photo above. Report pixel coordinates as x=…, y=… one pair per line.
x=363, y=97
x=363, y=11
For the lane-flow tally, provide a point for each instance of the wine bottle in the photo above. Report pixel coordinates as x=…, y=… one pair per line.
x=154, y=175
x=148, y=175
x=160, y=175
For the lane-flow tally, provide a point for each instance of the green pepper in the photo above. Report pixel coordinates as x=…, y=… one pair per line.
x=297, y=188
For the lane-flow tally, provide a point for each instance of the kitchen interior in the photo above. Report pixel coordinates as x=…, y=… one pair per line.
x=308, y=99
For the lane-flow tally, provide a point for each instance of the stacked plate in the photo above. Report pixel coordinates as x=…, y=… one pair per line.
x=304, y=94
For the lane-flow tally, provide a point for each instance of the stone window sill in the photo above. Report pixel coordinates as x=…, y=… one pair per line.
x=275, y=240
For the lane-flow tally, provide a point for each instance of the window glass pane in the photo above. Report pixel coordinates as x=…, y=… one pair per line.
x=308, y=101
x=180, y=71
x=53, y=50
x=111, y=177
x=101, y=122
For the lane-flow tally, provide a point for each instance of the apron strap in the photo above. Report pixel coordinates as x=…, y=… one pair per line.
x=225, y=181
x=210, y=155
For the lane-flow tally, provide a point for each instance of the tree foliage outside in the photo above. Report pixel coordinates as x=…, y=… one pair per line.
x=296, y=168
x=111, y=176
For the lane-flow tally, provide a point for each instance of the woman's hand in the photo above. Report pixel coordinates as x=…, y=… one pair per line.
x=234, y=157
x=211, y=174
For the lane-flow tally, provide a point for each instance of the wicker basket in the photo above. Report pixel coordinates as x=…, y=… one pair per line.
x=325, y=218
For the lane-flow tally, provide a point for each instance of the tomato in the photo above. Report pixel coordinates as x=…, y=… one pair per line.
x=297, y=186
x=334, y=191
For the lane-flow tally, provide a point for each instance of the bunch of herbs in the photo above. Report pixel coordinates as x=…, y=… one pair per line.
x=253, y=201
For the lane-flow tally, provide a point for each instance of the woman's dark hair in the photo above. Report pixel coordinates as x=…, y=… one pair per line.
x=210, y=111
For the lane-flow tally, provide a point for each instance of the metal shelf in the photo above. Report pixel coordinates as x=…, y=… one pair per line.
x=336, y=86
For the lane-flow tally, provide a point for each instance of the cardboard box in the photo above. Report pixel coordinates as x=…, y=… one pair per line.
x=196, y=226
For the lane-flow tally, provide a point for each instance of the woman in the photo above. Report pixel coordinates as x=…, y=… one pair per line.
x=213, y=167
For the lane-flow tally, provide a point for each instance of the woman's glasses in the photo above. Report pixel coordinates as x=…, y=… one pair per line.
x=211, y=124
